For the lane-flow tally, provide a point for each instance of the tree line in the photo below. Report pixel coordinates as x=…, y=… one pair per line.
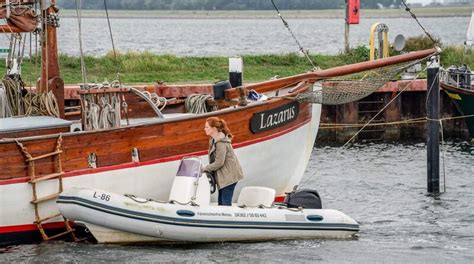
x=222, y=4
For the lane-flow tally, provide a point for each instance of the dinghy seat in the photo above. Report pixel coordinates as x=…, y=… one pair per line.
x=190, y=186
x=254, y=196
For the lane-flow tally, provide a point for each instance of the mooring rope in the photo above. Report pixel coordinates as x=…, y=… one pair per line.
x=394, y=123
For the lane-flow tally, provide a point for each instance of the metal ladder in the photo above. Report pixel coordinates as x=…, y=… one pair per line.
x=36, y=179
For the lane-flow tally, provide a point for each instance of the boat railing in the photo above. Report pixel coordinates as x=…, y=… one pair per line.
x=458, y=79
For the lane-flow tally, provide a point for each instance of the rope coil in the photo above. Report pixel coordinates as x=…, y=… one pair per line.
x=196, y=103
x=17, y=102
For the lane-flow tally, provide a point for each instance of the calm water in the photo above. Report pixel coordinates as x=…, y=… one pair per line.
x=227, y=37
x=382, y=186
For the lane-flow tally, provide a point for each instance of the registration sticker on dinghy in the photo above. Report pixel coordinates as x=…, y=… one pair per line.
x=101, y=196
x=254, y=215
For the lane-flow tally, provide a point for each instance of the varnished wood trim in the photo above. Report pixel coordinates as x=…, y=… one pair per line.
x=161, y=160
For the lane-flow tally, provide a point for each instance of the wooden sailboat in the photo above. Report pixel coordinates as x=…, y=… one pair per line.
x=40, y=156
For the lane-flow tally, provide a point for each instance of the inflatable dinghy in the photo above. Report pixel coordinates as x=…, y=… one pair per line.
x=189, y=215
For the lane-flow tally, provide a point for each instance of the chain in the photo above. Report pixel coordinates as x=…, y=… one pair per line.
x=305, y=52
x=416, y=19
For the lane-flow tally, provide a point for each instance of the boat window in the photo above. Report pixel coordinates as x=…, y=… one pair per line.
x=189, y=168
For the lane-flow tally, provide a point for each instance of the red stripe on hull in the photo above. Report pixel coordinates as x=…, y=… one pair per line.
x=29, y=227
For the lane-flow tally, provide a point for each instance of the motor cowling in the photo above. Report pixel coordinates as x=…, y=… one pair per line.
x=305, y=198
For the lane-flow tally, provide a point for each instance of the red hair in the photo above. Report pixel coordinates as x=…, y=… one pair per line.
x=221, y=126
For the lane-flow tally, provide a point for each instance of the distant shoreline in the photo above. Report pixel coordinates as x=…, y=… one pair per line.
x=269, y=14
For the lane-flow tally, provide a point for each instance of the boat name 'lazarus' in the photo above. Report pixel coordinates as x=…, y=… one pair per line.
x=273, y=118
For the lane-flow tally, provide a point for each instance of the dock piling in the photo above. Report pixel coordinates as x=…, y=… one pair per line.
x=432, y=106
x=236, y=71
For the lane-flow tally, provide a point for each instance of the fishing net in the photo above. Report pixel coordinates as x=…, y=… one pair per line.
x=352, y=87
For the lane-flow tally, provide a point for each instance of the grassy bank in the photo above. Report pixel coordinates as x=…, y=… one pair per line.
x=235, y=14
x=146, y=67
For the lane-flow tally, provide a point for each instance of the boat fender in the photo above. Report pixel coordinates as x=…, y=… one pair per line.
x=305, y=198
x=219, y=89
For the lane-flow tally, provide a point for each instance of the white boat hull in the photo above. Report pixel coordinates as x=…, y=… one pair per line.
x=187, y=223
x=105, y=235
x=277, y=162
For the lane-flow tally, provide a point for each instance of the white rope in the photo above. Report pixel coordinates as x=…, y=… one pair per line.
x=104, y=113
x=196, y=103
x=5, y=110
x=156, y=99
x=93, y=116
x=117, y=113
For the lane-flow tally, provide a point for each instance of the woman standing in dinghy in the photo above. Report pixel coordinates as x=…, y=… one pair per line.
x=222, y=160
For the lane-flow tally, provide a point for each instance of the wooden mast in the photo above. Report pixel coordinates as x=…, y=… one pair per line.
x=50, y=79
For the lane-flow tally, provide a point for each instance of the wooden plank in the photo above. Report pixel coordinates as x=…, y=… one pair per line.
x=61, y=234
x=45, y=155
x=47, y=218
x=47, y=177
x=46, y=198
x=36, y=132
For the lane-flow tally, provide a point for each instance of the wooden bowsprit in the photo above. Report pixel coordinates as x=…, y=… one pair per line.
x=36, y=179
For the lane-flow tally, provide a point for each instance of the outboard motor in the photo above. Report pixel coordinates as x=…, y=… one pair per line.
x=305, y=198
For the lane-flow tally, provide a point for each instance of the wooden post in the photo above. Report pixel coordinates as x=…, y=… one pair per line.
x=346, y=31
x=235, y=71
x=50, y=79
x=433, y=126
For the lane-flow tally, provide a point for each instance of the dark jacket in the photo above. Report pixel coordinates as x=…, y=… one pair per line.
x=224, y=162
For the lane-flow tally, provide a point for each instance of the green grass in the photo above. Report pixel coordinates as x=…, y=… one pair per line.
x=145, y=67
